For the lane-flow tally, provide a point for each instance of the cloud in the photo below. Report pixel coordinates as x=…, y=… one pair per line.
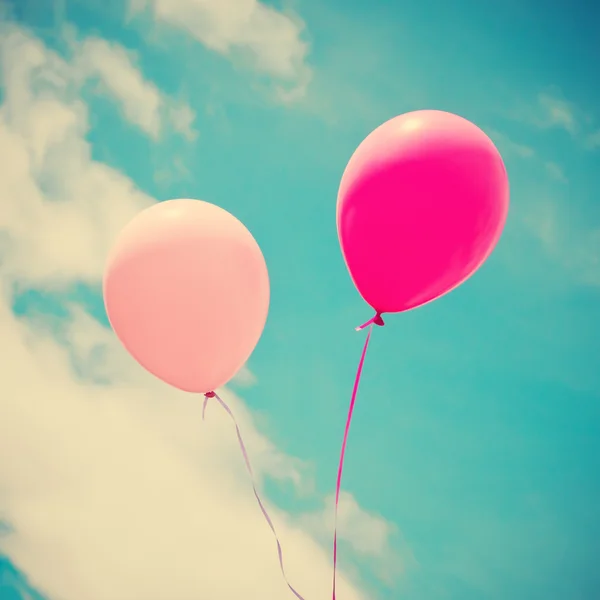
x=114, y=66
x=542, y=220
x=556, y=112
x=584, y=258
x=110, y=65
x=171, y=171
x=510, y=147
x=593, y=140
x=551, y=110
x=245, y=377
x=269, y=40
x=142, y=103
x=182, y=119
x=369, y=536
x=121, y=491
x=114, y=487
x=577, y=251
x=43, y=124
x=555, y=172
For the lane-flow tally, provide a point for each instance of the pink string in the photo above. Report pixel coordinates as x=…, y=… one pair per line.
x=376, y=320
x=249, y=469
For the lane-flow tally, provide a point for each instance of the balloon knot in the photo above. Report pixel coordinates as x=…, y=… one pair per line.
x=209, y=395
x=378, y=320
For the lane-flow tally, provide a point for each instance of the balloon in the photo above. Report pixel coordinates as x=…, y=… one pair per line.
x=186, y=290
x=421, y=205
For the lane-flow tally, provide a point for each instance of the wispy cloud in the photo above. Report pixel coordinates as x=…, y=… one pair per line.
x=112, y=67
x=556, y=112
x=249, y=31
x=43, y=139
x=511, y=149
x=182, y=119
x=119, y=75
x=507, y=146
x=575, y=249
x=368, y=536
x=43, y=124
x=548, y=110
x=114, y=487
x=593, y=140
x=121, y=489
x=551, y=110
x=245, y=377
x=555, y=172
x=115, y=68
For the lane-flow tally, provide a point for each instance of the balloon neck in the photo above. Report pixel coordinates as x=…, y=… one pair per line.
x=209, y=395
x=376, y=320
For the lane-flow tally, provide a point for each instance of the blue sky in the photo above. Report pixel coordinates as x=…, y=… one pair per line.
x=477, y=430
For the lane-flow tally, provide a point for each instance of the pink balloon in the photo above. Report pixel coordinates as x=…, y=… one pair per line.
x=421, y=205
x=186, y=290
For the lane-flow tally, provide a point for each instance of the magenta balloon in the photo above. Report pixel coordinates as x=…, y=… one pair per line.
x=186, y=291
x=421, y=205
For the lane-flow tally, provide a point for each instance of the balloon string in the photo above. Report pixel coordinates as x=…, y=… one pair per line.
x=251, y=473
x=376, y=320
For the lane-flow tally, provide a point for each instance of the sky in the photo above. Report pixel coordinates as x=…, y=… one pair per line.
x=473, y=465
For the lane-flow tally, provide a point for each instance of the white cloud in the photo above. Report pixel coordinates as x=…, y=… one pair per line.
x=245, y=377
x=114, y=488
x=109, y=64
x=45, y=156
x=43, y=123
x=510, y=147
x=140, y=99
x=542, y=220
x=556, y=172
x=142, y=103
x=122, y=492
x=593, y=140
x=584, y=258
x=553, y=111
x=557, y=112
x=182, y=119
x=170, y=171
x=549, y=110
x=577, y=251
x=367, y=534
x=268, y=38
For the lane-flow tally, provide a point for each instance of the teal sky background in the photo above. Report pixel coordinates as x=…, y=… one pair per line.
x=477, y=427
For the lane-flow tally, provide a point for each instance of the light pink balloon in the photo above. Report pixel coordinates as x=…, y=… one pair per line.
x=421, y=205
x=186, y=290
